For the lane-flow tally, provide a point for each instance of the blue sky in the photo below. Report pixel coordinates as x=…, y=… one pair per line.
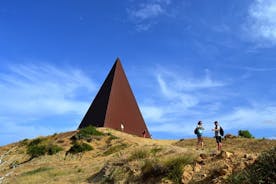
x=186, y=60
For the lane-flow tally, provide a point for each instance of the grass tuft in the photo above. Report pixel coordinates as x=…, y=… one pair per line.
x=35, y=171
x=79, y=147
x=139, y=154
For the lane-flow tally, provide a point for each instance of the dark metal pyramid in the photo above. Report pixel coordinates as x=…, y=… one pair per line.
x=115, y=105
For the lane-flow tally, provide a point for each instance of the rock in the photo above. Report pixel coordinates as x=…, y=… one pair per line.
x=223, y=172
x=239, y=166
x=166, y=181
x=225, y=154
x=229, y=136
x=200, y=161
x=203, y=156
x=197, y=167
x=187, y=175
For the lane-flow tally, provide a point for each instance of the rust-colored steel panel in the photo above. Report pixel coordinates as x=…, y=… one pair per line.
x=115, y=106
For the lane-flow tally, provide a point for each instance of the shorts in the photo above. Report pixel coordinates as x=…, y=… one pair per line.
x=199, y=136
x=218, y=139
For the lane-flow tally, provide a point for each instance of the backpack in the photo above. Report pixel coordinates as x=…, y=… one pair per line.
x=196, y=131
x=221, y=131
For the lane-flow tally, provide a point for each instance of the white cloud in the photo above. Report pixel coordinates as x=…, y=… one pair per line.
x=261, y=22
x=42, y=90
x=176, y=105
x=145, y=15
x=254, y=117
x=148, y=11
x=31, y=93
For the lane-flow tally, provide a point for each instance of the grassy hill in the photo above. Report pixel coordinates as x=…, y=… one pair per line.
x=109, y=156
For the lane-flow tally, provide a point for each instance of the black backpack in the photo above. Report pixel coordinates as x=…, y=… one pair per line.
x=196, y=131
x=221, y=131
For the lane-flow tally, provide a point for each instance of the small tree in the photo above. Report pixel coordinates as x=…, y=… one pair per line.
x=245, y=134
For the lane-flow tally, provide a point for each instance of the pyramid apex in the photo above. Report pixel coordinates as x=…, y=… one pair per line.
x=118, y=59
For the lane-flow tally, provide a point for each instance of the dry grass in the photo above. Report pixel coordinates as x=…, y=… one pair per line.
x=78, y=168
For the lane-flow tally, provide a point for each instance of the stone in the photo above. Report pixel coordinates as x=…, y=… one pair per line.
x=187, y=175
x=203, y=156
x=200, y=161
x=197, y=167
x=225, y=154
x=223, y=172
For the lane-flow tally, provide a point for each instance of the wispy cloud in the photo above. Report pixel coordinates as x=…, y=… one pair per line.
x=144, y=15
x=251, y=117
x=180, y=100
x=42, y=89
x=33, y=92
x=261, y=23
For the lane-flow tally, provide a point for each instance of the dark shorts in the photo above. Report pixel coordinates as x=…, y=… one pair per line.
x=218, y=139
x=199, y=135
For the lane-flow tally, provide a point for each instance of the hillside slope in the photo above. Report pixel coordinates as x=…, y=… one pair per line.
x=118, y=157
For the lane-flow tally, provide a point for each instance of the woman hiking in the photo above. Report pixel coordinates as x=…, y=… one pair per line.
x=199, y=130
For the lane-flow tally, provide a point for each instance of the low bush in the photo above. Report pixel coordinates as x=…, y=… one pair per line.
x=53, y=149
x=40, y=146
x=86, y=133
x=262, y=171
x=171, y=168
x=174, y=167
x=79, y=147
x=36, y=150
x=245, y=134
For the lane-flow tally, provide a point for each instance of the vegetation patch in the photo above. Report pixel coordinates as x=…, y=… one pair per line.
x=86, y=133
x=115, y=149
x=24, y=142
x=262, y=171
x=41, y=146
x=35, y=171
x=79, y=147
x=111, y=136
x=155, y=150
x=245, y=134
x=174, y=167
x=139, y=154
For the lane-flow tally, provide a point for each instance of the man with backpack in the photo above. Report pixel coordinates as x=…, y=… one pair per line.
x=218, y=134
x=199, y=131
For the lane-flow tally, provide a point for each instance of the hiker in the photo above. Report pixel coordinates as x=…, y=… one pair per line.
x=144, y=133
x=198, y=131
x=122, y=127
x=218, y=134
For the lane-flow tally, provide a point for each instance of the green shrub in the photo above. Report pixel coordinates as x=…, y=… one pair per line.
x=39, y=147
x=111, y=136
x=139, y=154
x=36, y=150
x=86, y=133
x=174, y=167
x=79, y=147
x=262, y=171
x=24, y=142
x=53, y=149
x=35, y=141
x=245, y=134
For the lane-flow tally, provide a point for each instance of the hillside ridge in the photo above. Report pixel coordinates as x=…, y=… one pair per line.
x=117, y=157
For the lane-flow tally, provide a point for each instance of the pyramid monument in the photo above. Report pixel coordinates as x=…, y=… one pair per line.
x=115, y=106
